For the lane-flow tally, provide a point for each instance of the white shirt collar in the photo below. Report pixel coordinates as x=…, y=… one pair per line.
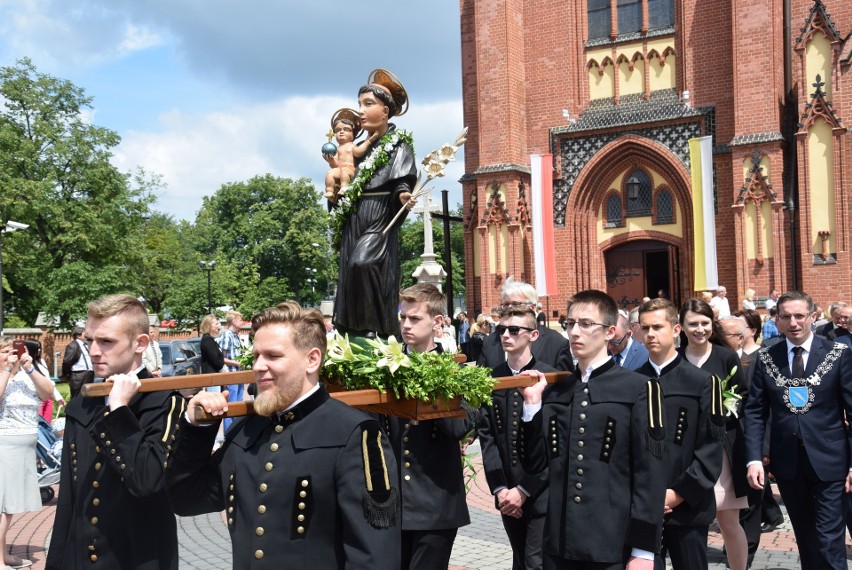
x=806, y=345
x=303, y=397
x=659, y=369
x=587, y=373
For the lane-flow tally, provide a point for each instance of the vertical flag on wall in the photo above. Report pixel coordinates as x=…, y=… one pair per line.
x=703, y=216
x=544, y=253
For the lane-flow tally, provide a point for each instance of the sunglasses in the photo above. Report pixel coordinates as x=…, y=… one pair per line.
x=514, y=330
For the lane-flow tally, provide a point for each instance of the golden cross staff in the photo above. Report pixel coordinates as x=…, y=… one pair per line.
x=433, y=165
x=370, y=400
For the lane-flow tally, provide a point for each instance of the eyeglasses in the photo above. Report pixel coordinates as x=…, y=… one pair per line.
x=511, y=304
x=584, y=324
x=514, y=330
x=613, y=342
x=797, y=317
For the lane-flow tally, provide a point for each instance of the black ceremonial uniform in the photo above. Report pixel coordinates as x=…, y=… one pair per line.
x=431, y=483
x=295, y=487
x=695, y=430
x=112, y=510
x=500, y=439
x=603, y=443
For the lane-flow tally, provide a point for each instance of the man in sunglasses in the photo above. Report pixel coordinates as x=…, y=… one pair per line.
x=600, y=433
x=626, y=352
x=521, y=498
x=551, y=347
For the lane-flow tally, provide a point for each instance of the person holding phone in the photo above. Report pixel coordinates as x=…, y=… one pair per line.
x=22, y=388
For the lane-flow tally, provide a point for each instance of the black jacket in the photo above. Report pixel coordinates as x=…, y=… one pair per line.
x=112, y=506
x=695, y=430
x=607, y=471
x=295, y=487
x=212, y=358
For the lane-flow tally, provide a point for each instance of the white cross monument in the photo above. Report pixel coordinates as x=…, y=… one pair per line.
x=429, y=271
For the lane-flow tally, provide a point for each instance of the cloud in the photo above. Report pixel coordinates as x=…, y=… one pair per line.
x=197, y=153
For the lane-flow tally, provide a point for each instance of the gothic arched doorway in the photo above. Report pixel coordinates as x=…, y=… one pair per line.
x=642, y=268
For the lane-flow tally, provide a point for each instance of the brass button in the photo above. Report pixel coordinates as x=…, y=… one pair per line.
x=103, y=435
x=300, y=518
x=406, y=452
x=261, y=509
x=584, y=403
x=231, y=478
x=259, y=531
x=97, y=449
x=91, y=548
x=94, y=520
x=303, y=494
x=268, y=466
x=230, y=510
x=230, y=487
x=580, y=457
x=165, y=464
x=230, y=521
x=300, y=530
x=107, y=443
x=582, y=416
x=580, y=443
x=579, y=485
x=408, y=477
x=407, y=464
x=274, y=447
x=577, y=499
x=405, y=439
x=123, y=466
x=259, y=553
x=93, y=557
x=231, y=498
x=95, y=484
x=301, y=506
x=98, y=466
x=263, y=487
x=406, y=426
x=96, y=502
x=580, y=472
x=279, y=429
x=305, y=483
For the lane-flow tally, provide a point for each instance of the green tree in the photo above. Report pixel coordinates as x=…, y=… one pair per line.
x=56, y=176
x=263, y=231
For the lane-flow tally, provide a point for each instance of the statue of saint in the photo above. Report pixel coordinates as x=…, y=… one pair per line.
x=368, y=289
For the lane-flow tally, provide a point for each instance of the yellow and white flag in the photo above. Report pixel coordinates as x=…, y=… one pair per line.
x=704, y=219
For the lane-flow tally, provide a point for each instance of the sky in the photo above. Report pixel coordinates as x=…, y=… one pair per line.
x=209, y=92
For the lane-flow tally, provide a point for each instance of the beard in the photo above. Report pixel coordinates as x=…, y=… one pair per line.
x=276, y=400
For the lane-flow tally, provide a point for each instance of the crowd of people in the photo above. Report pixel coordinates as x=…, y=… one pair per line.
x=669, y=418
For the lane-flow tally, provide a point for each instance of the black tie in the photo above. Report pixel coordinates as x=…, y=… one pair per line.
x=798, y=362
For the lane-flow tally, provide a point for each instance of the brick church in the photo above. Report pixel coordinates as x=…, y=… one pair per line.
x=614, y=90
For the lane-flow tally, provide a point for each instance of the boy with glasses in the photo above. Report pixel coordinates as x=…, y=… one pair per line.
x=695, y=428
x=520, y=497
x=806, y=382
x=600, y=434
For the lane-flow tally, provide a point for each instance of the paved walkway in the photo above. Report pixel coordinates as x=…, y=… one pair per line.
x=482, y=545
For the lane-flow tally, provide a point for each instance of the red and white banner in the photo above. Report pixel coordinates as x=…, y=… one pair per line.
x=544, y=253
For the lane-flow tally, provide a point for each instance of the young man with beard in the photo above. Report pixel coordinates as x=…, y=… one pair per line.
x=428, y=453
x=600, y=433
x=695, y=429
x=521, y=498
x=304, y=482
x=112, y=510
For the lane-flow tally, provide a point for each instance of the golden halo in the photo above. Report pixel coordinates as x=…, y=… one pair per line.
x=390, y=82
x=349, y=115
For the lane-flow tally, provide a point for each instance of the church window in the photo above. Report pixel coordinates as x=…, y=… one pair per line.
x=613, y=211
x=660, y=14
x=638, y=188
x=600, y=21
x=665, y=207
x=628, y=16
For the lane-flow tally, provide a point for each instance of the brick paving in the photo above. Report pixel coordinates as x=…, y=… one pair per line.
x=482, y=545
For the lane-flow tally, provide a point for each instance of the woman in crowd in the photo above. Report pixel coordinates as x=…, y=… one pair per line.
x=45, y=410
x=702, y=349
x=22, y=388
x=480, y=329
x=748, y=301
x=212, y=359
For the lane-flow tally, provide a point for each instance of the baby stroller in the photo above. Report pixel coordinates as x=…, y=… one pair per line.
x=48, y=455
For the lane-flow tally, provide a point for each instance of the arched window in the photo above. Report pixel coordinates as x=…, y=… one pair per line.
x=628, y=16
x=638, y=194
x=599, y=20
x=665, y=207
x=613, y=211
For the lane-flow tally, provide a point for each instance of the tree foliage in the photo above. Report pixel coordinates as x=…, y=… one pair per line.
x=55, y=175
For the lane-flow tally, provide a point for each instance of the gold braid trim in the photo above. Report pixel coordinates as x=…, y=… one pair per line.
x=384, y=465
x=366, y=456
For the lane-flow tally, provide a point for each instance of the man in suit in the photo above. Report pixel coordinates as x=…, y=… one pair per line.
x=76, y=363
x=113, y=508
x=626, y=352
x=307, y=482
x=551, y=347
x=695, y=430
x=806, y=384
x=428, y=455
x=521, y=498
x=601, y=435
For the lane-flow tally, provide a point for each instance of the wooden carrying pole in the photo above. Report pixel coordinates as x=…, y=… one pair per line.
x=369, y=399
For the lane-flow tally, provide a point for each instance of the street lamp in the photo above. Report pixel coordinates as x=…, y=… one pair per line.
x=208, y=266
x=9, y=227
x=312, y=272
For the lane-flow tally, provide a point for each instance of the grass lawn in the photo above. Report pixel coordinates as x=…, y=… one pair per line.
x=65, y=390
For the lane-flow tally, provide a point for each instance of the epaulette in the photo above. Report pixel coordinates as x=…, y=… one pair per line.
x=656, y=430
x=380, y=500
x=716, y=422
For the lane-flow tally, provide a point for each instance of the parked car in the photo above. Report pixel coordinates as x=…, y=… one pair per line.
x=180, y=358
